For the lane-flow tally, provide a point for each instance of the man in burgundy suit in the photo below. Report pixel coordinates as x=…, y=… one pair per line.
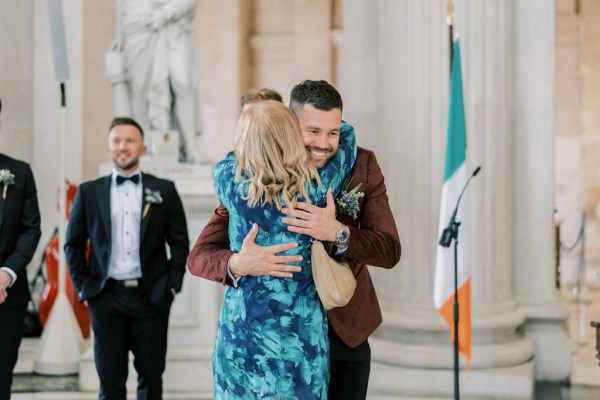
x=370, y=238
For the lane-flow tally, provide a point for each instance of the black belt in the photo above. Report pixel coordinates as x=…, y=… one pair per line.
x=131, y=283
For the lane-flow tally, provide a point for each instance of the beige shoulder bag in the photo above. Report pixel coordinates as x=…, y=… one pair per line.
x=335, y=281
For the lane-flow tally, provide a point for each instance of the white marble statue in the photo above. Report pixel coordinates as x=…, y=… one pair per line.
x=151, y=66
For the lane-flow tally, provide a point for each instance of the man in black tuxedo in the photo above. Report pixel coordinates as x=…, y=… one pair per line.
x=19, y=237
x=129, y=282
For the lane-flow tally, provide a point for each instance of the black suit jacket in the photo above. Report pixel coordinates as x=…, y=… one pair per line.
x=19, y=227
x=165, y=223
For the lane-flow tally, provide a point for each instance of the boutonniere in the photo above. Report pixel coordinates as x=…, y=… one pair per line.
x=151, y=198
x=7, y=179
x=347, y=201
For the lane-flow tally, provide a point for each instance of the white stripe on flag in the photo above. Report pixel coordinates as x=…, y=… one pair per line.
x=444, y=265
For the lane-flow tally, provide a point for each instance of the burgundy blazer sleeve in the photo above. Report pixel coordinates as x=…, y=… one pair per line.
x=374, y=237
x=210, y=254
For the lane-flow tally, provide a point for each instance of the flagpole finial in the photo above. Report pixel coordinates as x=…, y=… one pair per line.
x=450, y=17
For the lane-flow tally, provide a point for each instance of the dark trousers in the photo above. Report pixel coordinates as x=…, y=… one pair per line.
x=12, y=322
x=350, y=368
x=124, y=319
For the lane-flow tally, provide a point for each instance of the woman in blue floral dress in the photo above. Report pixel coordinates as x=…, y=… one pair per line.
x=272, y=337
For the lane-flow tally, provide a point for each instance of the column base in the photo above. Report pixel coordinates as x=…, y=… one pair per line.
x=405, y=383
x=546, y=327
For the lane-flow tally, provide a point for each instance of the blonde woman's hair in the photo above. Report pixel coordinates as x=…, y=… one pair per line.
x=271, y=157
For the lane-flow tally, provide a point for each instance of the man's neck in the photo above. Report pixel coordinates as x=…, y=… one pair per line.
x=129, y=172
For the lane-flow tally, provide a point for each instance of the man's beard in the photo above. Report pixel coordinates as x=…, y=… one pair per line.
x=320, y=163
x=128, y=166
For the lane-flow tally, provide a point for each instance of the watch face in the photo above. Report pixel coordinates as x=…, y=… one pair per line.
x=342, y=235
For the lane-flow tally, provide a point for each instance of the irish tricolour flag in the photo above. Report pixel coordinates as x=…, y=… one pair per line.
x=455, y=177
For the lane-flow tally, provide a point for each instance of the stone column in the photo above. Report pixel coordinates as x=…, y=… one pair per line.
x=16, y=80
x=218, y=49
x=98, y=31
x=288, y=43
x=358, y=72
x=413, y=346
x=533, y=186
x=312, y=47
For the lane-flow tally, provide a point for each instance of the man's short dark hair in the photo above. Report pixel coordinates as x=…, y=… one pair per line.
x=320, y=94
x=125, y=121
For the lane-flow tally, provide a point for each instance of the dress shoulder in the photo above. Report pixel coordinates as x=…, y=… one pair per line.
x=224, y=178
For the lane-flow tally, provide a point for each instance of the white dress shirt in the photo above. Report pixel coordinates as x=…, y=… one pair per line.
x=125, y=214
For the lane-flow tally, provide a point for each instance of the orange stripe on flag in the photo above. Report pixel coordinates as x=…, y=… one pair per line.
x=464, y=321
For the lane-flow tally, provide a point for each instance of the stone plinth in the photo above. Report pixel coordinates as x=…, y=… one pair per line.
x=403, y=383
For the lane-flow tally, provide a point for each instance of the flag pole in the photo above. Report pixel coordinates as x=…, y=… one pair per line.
x=450, y=21
x=456, y=369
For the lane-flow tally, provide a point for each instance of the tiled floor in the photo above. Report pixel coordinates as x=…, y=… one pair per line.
x=584, y=383
x=27, y=386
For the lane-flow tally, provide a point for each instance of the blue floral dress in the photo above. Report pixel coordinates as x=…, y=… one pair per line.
x=272, y=336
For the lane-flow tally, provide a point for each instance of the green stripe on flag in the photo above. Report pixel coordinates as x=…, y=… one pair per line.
x=457, y=141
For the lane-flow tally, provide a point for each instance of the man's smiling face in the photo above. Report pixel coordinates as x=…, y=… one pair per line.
x=126, y=147
x=320, y=132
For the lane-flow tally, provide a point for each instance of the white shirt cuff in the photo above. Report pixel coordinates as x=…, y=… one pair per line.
x=340, y=252
x=12, y=274
x=235, y=281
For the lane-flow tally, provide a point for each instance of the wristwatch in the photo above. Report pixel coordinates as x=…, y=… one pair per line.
x=342, y=236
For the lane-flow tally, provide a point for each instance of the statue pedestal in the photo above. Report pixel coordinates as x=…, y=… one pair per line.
x=195, y=312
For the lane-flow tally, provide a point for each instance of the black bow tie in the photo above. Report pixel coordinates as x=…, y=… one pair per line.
x=133, y=178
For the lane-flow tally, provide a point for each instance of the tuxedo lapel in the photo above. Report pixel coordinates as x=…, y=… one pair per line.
x=2, y=201
x=102, y=187
x=3, y=164
x=149, y=182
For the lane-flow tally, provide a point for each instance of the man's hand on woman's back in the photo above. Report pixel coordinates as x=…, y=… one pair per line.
x=257, y=260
